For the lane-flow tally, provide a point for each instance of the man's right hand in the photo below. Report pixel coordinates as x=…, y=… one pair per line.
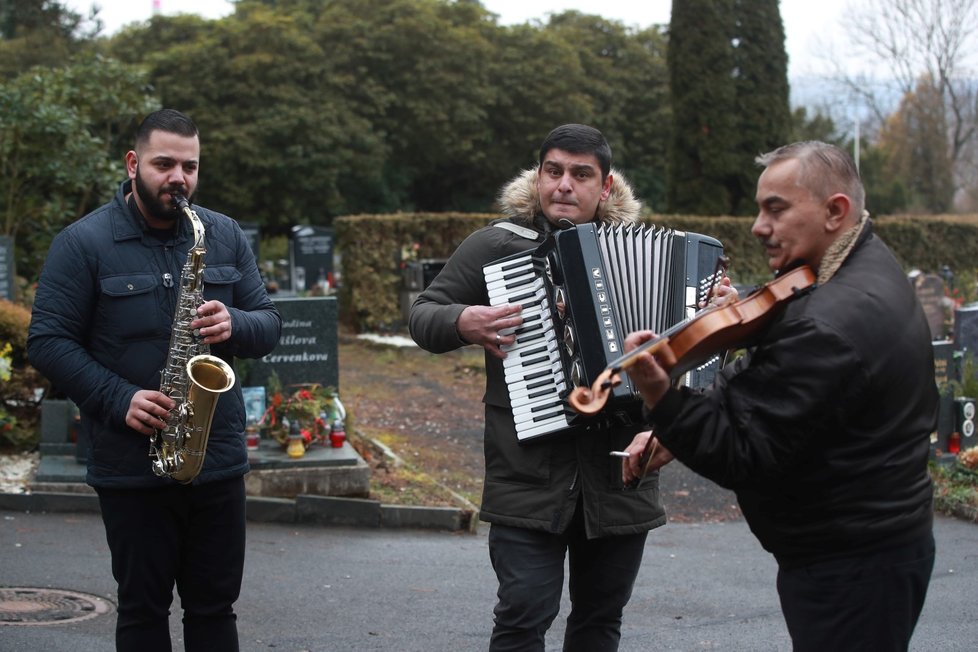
x=148, y=410
x=481, y=325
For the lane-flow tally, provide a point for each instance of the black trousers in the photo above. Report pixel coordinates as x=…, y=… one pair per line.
x=862, y=603
x=529, y=565
x=193, y=536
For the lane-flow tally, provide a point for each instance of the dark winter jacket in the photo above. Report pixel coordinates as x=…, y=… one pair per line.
x=823, y=430
x=535, y=484
x=100, y=330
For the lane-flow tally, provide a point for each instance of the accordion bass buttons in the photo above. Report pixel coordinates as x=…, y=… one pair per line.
x=560, y=302
x=577, y=374
x=570, y=344
x=576, y=367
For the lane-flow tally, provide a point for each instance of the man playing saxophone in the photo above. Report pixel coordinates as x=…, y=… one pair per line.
x=100, y=331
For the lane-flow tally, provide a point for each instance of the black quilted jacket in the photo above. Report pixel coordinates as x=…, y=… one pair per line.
x=100, y=330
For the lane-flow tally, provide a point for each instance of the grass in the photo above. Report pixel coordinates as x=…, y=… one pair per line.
x=397, y=481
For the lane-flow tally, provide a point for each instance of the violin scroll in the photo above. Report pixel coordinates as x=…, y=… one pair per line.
x=591, y=400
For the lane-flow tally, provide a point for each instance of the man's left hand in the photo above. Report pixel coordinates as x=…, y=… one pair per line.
x=647, y=375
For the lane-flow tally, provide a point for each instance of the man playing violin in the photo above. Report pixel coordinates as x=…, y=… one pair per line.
x=822, y=429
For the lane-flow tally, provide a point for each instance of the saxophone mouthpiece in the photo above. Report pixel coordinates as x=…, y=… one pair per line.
x=180, y=201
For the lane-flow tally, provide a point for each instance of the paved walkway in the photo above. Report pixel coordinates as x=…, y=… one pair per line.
x=701, y=587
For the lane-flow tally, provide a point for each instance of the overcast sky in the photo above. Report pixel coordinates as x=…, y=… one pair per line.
x=805, y=21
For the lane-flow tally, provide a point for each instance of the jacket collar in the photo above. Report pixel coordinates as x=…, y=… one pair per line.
x=519, y=201
x=839, y=251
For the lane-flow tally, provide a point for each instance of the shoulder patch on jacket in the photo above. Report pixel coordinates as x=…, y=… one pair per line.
x=521, y=231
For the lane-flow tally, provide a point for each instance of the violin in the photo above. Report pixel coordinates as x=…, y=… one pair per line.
x=694, y=341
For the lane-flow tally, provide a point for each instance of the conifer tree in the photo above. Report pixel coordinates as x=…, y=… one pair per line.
x=728, y=76
x=762, y=109
x=699, y=58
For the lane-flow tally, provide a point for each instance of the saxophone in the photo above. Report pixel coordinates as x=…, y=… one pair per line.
x=192, y=377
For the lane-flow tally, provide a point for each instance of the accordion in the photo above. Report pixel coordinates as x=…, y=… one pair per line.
x=582, y=291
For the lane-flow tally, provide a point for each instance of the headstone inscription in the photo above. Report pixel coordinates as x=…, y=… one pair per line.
x=307, y=351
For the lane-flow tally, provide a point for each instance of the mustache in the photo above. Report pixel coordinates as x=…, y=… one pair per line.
x=561, y=199
x=174, y=190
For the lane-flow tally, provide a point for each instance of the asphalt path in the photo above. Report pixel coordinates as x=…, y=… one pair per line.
x=702, y=586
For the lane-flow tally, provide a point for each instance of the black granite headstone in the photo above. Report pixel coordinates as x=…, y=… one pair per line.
x=7, y=273
x=966, y=329
x=946, y=372
x=945, y=363
x=311, y=257
x=307, y=351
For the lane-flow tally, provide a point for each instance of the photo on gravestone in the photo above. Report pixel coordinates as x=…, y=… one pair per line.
x=307, y=351
x=311, y=259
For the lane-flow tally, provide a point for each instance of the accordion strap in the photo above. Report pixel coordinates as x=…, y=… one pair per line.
x=516, y=229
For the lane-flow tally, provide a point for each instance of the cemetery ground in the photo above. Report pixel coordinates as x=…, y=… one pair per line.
x=417, y=420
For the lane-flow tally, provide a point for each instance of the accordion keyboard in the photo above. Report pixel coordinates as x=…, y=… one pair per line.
x=533, y=369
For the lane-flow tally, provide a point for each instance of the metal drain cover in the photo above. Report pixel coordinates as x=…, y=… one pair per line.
x=27, y=606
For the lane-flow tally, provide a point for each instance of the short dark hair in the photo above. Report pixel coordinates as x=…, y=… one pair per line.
x=579, y=139
x=168, y=120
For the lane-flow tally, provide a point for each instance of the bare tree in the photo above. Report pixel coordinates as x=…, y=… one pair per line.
x=912, y=40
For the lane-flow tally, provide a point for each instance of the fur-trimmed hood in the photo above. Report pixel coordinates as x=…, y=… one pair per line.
x=518, y=200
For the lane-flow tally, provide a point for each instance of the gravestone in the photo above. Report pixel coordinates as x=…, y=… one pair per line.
x=966, y=329
x=311, y=258
x=946, y=371
x=930, y=293
x=253, y=234
x=946, y=363
x=7, y=273
x=307, y=351
x=416, y=275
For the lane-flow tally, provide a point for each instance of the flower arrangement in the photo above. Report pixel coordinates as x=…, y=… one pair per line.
x=312, y=407
x=968, y=459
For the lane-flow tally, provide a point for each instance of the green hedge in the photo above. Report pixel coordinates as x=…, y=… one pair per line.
x=374, y=247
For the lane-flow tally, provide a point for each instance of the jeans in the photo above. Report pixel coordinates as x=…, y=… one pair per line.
x=190, y=535
x=529, y=566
